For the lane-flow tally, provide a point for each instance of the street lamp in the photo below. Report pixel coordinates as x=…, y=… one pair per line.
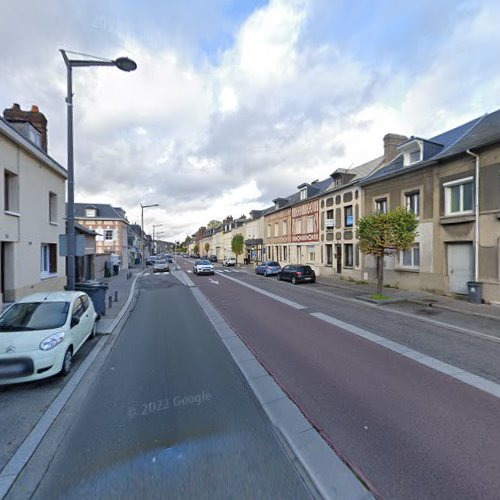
x=155, y=225
x=142, y=225
x=123, y=63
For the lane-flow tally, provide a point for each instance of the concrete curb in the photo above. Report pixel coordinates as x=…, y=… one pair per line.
x=328, y=474
x=106, y=327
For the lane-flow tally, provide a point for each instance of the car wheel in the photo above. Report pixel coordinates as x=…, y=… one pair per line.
x=313, y=280
x=294, y=280
x=93, y=333
x=265, y=274
x=67, y=362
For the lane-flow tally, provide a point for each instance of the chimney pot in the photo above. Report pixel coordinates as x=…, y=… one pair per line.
x=34, y=109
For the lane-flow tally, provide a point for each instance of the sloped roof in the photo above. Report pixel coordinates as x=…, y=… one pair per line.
x=476, y=133
x=104, y=212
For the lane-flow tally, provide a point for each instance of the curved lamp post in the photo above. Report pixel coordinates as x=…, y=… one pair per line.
x=123, y=63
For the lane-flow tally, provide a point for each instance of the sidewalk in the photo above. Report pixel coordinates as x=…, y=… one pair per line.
x=120, y=286
x=416, y=296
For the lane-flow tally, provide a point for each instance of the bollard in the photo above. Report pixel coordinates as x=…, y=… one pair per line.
x=116, y=295
x=110, y=300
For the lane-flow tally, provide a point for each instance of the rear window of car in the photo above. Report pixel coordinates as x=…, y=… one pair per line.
x=274, y=264
x=304, y=269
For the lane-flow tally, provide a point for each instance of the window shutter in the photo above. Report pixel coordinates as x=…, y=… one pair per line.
x=53, y=258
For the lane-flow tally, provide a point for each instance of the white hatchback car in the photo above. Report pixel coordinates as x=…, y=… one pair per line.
x=229, y=261
x=40, y=334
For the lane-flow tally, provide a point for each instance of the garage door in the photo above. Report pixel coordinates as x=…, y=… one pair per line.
x=460, y=266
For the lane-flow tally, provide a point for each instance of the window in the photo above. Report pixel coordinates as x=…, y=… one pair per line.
x=276, y=229
x=303, y=194
x=312, y=253
x=459, y=196
x=414, y=156
x=53, y=207
x=348, y=255
x=329, y=220
x=90, y=212
x=412, y=202
x=381, y=205
x=348, y=216
x=411, y=257
x=284, y=253
x=284, y=228
x=48, y=258
x=269, y=230
x=338, y=181
x=11, y=192
x=329, y=255
x=310, y=224
x=298, y=226
x=78, y=309
x=108, y=234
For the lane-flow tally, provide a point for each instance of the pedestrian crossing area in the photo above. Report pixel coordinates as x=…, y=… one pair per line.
x=222, y=271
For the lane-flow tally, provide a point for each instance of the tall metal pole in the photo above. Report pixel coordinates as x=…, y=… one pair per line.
x=70, y=227
x=142, y=234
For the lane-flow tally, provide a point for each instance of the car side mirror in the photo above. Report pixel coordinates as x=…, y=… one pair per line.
x=74, y=322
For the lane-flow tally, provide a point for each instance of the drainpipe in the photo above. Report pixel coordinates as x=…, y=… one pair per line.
x=476, y=225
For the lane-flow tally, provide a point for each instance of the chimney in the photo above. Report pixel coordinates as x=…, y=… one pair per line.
x=391, y=141
x=16, y=115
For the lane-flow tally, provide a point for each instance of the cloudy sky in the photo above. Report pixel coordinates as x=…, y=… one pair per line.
x=236, y=102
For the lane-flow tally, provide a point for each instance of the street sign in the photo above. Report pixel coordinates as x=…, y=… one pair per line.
x=79, y=245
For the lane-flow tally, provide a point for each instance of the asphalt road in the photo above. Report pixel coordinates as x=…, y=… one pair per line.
x=169, y=416
x=413, y=432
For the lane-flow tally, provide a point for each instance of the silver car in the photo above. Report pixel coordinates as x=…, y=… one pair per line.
x=160, y=266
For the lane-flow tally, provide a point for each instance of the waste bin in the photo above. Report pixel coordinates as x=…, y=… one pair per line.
x=97, y=293
x=475, y=292
x=116, y=269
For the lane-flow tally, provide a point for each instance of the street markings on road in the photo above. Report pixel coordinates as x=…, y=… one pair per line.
x=476, y=381
x=290, y=303
x=215, y=282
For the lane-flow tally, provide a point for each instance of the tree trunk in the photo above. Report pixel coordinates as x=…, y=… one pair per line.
x=380, y=273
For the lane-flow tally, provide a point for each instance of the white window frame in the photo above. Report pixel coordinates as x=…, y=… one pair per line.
x=311, y=253
x=284, y=228
x=303, y=193
x=276, y=229
x=346, y=253
x=52, y=208
x=310, y=224
x=412, y=256
x=381, y=203
x=408, y=195
x=447, y=196
x=45, y=271
x=90, y=212
x=106, y=231
x=269, y=230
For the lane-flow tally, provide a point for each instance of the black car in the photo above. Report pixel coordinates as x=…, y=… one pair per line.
x=297, y=274
x=169, y=258
x=213, y=258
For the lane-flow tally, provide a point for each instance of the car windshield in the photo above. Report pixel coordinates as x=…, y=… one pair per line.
x=203, y=262
x=160, y=262
x=25, y=316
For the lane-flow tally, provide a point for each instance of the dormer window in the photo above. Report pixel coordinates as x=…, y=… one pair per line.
x=90, y=212
x=276, y=206
x=338, y=181
x=412, y=151
x=303, y=193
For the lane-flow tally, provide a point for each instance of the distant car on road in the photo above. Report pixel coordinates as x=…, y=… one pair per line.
x=297, y=274
x=160, y=266
x=213, y=258
x=169, y=258
x=40, y=334
x=203, y=267
x=268, y=268
x=151, y=260
x=229, y=261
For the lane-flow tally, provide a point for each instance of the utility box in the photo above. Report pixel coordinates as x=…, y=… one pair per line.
x=475, y=290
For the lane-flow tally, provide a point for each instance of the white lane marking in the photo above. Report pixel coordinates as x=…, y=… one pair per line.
x=464, y=376
x=215, y=282
x=290, y=303
x=189, y=271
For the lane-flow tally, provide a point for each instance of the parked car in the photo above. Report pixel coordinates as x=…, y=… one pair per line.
x=160, y=266
x=41, y=333
x=151, y=260
x=297, y=274
x=213, y=258
x=268, y=268
x=229, y=261
x=203, y=267
x=169, y=258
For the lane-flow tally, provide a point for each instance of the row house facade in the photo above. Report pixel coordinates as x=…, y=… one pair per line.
x=111, y=225
x=452, y=184
x=32, y=197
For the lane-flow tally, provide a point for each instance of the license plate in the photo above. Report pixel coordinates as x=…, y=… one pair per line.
x=12, y=370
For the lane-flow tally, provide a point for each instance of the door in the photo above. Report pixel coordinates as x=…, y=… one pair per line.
x=460, y=266
x=79, y=330
x=338, y=257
